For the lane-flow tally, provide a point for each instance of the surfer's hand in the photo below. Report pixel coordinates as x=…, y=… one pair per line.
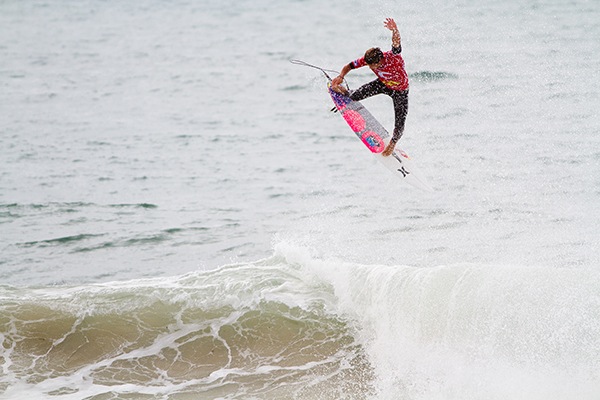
x=389, y=149
x=390, y=24
x=337, y=80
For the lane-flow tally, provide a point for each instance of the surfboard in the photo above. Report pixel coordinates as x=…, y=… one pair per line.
x=375, y=137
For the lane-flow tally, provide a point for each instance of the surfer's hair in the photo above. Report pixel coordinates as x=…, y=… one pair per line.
x=373, y=55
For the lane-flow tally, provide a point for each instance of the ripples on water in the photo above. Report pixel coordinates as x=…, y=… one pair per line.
x=145, y=141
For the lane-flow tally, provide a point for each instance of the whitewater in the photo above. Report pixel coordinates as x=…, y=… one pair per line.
x=181, y=217
x=295, y=327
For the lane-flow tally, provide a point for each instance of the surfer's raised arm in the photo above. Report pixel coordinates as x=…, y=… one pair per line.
x=391, y=25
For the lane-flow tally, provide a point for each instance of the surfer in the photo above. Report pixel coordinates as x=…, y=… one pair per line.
x=392, y=80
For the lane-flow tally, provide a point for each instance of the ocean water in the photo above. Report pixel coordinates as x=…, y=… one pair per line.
x=181, y=217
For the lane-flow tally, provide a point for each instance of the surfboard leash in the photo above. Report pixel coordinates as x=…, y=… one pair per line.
x=323, y=70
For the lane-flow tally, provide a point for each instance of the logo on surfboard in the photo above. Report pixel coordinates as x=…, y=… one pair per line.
x=373, y=141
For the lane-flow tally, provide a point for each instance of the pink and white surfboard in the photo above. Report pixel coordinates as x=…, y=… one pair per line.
x=375, y=137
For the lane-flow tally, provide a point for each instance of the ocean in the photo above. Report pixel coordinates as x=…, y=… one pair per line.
x=182, y=217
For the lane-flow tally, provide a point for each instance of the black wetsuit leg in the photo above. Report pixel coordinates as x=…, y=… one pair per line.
x=399, y=98
x=368, y=90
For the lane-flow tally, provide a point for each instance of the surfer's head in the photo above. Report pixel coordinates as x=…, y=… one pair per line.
x=373, y=56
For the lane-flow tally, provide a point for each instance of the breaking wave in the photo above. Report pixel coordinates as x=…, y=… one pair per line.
x=298, y=327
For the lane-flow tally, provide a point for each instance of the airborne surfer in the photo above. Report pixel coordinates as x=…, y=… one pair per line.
x=392, y=80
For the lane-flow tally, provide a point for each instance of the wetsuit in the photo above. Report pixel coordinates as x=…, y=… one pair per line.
x=392, y=80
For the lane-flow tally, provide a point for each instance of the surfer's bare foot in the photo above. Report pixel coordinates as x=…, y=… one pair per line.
x=389, y=149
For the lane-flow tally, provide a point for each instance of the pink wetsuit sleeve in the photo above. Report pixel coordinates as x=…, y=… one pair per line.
x=359, y=63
